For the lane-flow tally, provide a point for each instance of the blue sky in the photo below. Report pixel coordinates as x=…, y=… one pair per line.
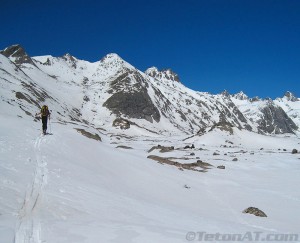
x=249, y=45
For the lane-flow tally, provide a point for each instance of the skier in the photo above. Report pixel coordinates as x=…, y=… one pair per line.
x=45, y=114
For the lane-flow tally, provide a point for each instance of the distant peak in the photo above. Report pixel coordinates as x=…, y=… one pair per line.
x=290, y=96
x=151, y=70
x=68, y=56
x=70, y=59
x=240, y=96
x=255, y=99
x=225, y=93
x=167, y=74
x=17, y=54
x=14, y=51
x=111, y=57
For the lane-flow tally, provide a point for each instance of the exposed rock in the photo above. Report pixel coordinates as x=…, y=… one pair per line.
x=294, y=151
x=204, y=165
x=88, y=134
x=122, y=123
x=124, y=147
x=223, y=126
x=163, y=149
x=72, y=61
x=27, y=98
x=225, y=93
x=181, y=166
x=189, y=147
x=192, y=154
x=166, y=149
x=18, y=53
x=222, y=167
x=165, y=74
x=235, y=159
x=86, y=98
x=275, y=120
x=133, y=105
x=255, y=99
x=255, y=211
x=290, y=96
x=215, y=153
x=240, y=96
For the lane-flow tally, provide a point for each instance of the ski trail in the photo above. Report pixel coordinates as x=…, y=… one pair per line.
x=28, y=229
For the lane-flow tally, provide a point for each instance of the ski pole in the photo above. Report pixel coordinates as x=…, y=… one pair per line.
x=50, y=125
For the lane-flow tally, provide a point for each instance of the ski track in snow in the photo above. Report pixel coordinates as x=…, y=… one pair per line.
x=28, y=229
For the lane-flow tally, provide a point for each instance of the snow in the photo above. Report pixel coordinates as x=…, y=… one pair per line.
x=68, y=188
x=65, y=187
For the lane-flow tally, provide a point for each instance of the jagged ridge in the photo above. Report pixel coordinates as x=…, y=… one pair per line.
x=102, y=91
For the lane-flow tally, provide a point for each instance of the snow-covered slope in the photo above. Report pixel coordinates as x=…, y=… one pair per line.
x=88, y=181
x=98, y=93
x=270, y=116
x=66, y=187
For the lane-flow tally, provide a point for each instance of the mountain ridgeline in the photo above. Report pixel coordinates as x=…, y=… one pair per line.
x=155, y=101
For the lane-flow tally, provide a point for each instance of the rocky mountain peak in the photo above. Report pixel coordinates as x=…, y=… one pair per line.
x=70, y=59
x=164, y=74
x=255, y=99
x=152, y=71
x=240, y=96
x=225, y=93
x=17, y=54
x=290, y=96
x=114, y=62
x=112, y=58
x=274, y=120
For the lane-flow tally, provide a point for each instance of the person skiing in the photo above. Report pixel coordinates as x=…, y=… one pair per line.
x=45, y=114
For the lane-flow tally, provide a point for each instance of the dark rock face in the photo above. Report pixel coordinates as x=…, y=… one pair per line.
x=275, y=120
x=133, y=105
x=19, y=53
x=131, y=99
x=255, y=211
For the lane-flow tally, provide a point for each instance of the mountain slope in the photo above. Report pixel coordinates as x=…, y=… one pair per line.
x=88, y=180
x=98, y=93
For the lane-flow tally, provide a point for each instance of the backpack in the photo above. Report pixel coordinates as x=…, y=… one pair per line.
x=44, y=110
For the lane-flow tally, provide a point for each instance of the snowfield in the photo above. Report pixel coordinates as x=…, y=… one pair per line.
x=184, y=171
x=66, y=187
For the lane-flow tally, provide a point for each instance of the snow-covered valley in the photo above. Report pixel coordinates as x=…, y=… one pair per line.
x=90, y=181
x=66, y=187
